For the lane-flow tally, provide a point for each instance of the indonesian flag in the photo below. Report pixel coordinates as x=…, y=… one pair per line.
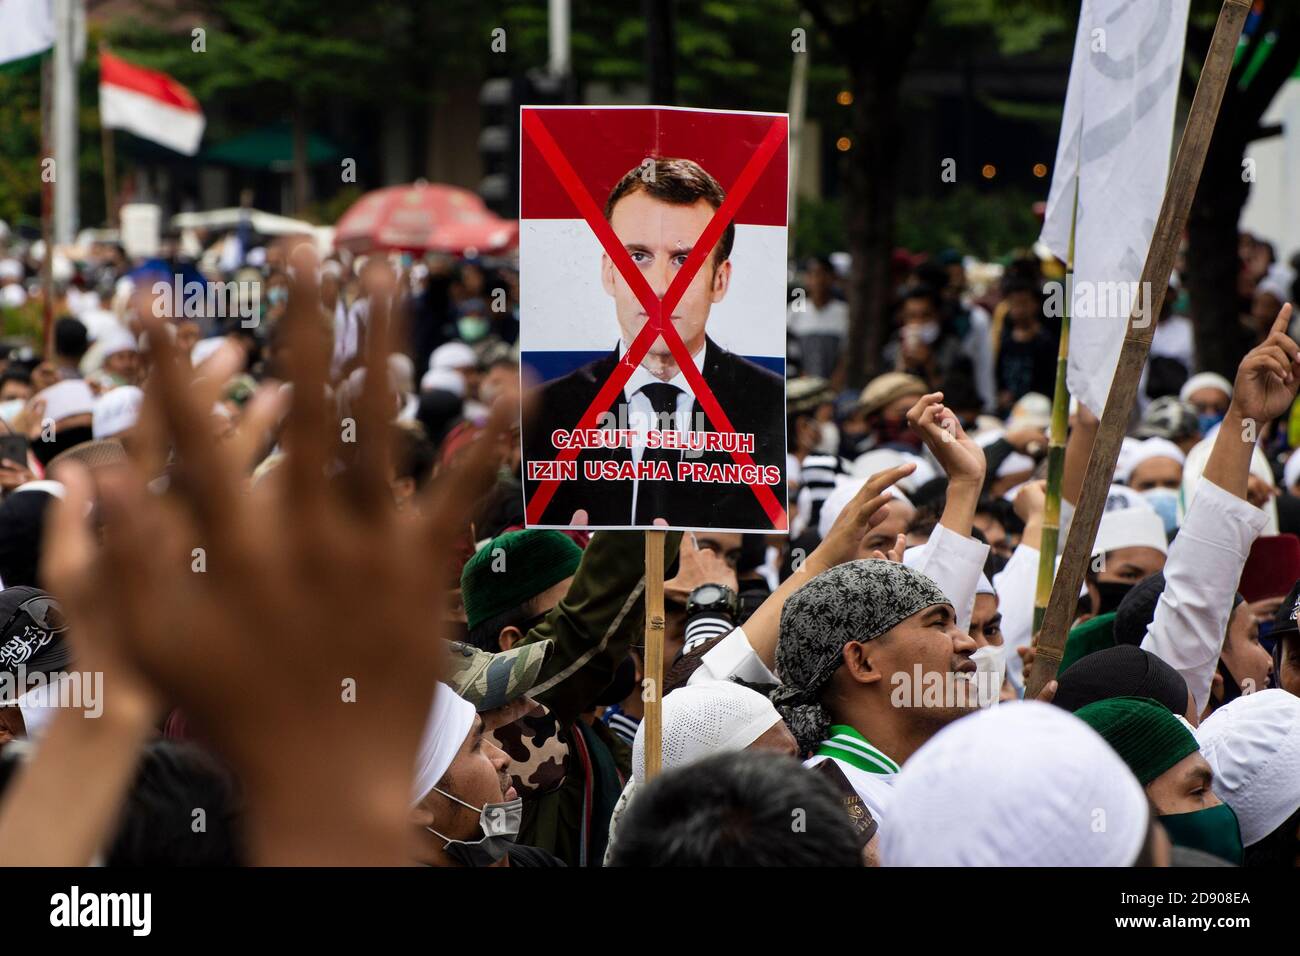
x=149, y=104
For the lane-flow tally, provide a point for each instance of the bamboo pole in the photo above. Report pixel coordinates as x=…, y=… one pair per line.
x=652, y=682
x=1056, y=448
x=1181, y=188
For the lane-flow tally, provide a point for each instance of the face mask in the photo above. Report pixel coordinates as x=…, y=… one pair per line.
x=471, y=328
x=828, y=445
x=1165, y=503
x=1111, y=593
x=927, y=332
x=11, y=408
x=1213, y=830
x=990, y=670
x=1206, y=421
x=498, y=822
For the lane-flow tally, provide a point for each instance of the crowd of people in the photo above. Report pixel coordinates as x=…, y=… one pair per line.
x=269, y=596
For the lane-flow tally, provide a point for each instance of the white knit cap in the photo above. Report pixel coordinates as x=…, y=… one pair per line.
x=1204, y=380
x=1253, y=746
x=115, y=411
x=1022, y=784
x=451, y=718
x=1146, y=450
x=700, y=720
x=840, y=496
x=116, y=340
x=1130, y=528
x=453, y=355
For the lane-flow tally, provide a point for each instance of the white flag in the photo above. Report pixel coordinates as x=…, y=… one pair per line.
x=26, y=28
x=1116, y=138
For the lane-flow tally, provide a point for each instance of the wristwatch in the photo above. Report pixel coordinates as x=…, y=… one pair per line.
x=713, y=599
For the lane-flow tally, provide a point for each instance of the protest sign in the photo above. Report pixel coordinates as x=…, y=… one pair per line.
x=627, y=215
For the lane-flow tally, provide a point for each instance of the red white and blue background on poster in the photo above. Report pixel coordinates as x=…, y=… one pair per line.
x=653, y=354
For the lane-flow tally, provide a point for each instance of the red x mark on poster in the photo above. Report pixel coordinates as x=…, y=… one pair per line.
x=655, y=307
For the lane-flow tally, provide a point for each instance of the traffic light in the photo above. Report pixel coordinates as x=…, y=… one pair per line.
x=498, y=142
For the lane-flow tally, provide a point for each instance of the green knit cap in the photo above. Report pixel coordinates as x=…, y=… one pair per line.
x=514, y=568
x=1144, y=733
x=1094, y=634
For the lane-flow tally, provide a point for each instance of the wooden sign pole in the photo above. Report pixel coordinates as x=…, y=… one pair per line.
x=1183, y=180
x=654, y=652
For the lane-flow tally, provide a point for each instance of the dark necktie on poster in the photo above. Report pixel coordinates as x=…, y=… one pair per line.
x=652, y=496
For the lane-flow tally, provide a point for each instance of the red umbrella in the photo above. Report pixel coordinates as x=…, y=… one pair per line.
x=424, y=217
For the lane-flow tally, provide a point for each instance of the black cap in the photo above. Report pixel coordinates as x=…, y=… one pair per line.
x=1120, y=671
x=1284, y=619
x=33, y=631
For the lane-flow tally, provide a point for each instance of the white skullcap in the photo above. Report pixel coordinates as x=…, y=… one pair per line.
x=1253, y=746
x=114, y=340
x=204, y=349
x=839, y=498
x=453, y=356
x=985, y=586
x=11, y=269
x=1128, y=449
x=1145, y=451
x=451, y=718
x=443, y=380
x=115, y=411
x=1130, y=528
x=1204, y=380
x=1122, y=496
x=1194, y=468
x=1032, y=410
x=1291, y=471
x=882, y=459
x=1023, y=784
x=72, y=396
x=13, y=296
x=700, y=720
x=1277, y=282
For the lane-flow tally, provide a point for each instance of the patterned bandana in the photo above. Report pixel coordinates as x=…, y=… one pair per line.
x=857, y=601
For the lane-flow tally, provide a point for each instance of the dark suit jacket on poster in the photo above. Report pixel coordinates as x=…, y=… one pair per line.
x=752, y=397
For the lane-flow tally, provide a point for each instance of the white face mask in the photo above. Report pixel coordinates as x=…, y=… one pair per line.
x=990, y=671
x=829, y=444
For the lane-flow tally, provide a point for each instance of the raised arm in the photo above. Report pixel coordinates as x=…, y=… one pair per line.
x=1206, y=559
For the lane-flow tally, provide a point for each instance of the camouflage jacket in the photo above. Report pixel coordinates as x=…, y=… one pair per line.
x=599, y=620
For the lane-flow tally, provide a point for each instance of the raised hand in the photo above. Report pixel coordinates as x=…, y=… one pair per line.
x=697, y=566
x=936, y=424
x=1269, y=375
x=297, y=627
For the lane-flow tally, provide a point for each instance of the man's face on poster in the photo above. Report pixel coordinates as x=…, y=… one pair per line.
x=658, y=237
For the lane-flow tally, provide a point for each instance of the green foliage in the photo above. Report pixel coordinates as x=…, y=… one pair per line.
x=984, y=224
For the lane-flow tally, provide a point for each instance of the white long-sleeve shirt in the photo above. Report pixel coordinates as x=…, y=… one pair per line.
x=1201, y=577
x=1016, y=584
x=951, y=561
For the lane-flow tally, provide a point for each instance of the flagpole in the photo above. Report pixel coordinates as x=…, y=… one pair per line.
x=47, y=203
x=109, y=156
x=1056, y=449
